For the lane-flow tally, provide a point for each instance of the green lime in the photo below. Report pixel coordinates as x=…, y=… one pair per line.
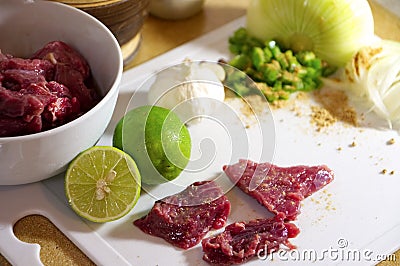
x=157, y=140
x=102, y=184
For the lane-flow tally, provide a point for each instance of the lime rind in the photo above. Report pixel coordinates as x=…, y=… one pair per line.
x=91, y=167
x=157, y=140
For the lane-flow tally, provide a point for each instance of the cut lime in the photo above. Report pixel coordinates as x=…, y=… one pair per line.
x=102, y=184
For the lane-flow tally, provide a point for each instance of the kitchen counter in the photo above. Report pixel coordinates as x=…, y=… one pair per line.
x=159, y=36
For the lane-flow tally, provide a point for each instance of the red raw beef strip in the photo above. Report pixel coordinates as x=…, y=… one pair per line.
x=17, y=79
x=280, y=189
x=58, y=89
x=185, y=218
x=45, y=91
x=71, y=70
x=59, y=52
x=242, y=241
x=16, y=104
x=39, y=66
x=10, y=127
x=46, y=100
x=63, y=108
x=74, y=81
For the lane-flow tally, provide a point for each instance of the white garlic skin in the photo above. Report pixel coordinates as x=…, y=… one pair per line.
x=191, y=90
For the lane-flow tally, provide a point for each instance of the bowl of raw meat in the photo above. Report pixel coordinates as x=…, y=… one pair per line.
x=60, y=70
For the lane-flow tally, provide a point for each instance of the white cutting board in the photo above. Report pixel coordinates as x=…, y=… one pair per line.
x=358, y=213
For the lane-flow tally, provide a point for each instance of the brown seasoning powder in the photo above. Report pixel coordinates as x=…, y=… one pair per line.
x=334, y=106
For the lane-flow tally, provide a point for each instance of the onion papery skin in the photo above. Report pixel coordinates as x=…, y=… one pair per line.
x=333, y=29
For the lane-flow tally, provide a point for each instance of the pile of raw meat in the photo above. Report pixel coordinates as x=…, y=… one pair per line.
x=185, y=218
x=49, y=89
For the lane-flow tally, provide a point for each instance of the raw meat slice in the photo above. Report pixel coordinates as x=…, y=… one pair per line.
x=75, y=82
x=242, y=241
x=58, y=89
x=71, y=70
x=51, y=88
x=185, y=218
x=59, y=112
x=280, y=189
x=16, y=104
x=17, y=79
x=39, y=66
x=18, y=126
x=59, y=52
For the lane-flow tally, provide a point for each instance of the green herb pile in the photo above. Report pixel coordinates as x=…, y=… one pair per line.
x=278, y=72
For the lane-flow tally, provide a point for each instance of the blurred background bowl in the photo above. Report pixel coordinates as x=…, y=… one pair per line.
x=25, y=27
x=124, y=18
x=175, y=9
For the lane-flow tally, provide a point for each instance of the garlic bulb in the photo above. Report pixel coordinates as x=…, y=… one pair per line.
x=191, y=89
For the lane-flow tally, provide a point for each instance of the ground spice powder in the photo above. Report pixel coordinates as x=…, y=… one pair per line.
x=333, y=106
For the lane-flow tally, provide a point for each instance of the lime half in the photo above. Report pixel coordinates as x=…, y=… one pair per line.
x=102, y=184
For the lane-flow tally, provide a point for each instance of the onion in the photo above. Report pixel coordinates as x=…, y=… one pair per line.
x=333, y=29
x=374, y=76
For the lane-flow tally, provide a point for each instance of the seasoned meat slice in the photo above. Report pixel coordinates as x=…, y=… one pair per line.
x=279, y=189
x=242, y=241
x=185, y=218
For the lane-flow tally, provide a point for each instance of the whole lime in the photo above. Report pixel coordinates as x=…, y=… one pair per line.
x=157, y=140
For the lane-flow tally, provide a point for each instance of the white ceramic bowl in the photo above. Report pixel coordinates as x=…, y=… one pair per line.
x=26, y=26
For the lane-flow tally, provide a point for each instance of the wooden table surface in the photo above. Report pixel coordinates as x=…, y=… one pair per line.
x=159, y=36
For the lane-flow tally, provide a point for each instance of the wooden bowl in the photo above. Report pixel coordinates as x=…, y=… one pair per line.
x=124, y=18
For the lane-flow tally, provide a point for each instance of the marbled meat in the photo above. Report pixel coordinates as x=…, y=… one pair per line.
x=185, y=218
x=242, y=241
x=279, y=189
